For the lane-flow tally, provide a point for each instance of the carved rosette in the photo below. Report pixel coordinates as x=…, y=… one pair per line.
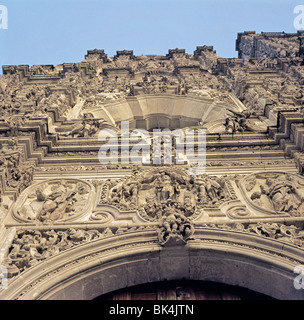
x=275, y=193
x=53, y=201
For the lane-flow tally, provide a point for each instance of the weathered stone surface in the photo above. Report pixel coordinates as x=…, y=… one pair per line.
x=73, y=227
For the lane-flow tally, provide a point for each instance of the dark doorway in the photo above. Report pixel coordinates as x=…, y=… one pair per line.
x=184, y=290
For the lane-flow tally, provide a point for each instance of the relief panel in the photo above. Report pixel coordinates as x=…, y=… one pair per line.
x=54, y=200
x=274, y=193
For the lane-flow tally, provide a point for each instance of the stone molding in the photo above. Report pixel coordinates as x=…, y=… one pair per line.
x=54, y=278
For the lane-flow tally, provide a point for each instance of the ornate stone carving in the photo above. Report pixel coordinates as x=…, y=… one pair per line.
x=15, y=123
x=175, y=228
x=88, y=127
x=156, y=193
x=54, y=200
x=32, y=246
x=43, y=108
x=237, y=122
x=275, y=192
x=278, y=231
x=15, y=173
x=241, y=122
x=101, y=217
x=238, y=212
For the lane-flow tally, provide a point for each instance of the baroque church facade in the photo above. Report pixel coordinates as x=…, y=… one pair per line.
x=75, y=227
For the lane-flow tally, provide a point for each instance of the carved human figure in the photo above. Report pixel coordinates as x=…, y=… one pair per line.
x=280, y=193
x=174, y=225
x=56, y=204
x=237, y=122
x=88, y=127
x=209, y=189
x=126, y=193
x=188, y=206
x=164, y=188
x=151, y=208
x=52, y=201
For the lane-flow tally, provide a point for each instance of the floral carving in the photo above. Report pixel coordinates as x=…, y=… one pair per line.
x=33, y=246
x=278, y=231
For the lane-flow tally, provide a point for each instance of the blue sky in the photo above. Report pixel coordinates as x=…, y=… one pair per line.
x=57, y=31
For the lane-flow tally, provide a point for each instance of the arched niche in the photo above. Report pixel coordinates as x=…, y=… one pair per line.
x=162, y=111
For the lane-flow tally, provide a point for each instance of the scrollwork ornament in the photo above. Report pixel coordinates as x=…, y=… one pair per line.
x=101, y=217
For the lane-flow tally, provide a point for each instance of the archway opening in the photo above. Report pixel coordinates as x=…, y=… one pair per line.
x=184, y=290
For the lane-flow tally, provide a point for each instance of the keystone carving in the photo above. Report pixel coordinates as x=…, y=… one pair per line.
x=175, y=228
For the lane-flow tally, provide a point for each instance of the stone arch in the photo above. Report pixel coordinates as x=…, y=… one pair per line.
x=90, y=270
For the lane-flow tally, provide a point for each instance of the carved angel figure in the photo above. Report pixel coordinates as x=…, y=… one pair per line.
x=175, y=226
x=237, y=122
x=55, y=205
x=279, y=193
x=54, y=201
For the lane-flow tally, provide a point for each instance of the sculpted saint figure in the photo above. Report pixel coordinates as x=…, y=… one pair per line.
x=280, y=194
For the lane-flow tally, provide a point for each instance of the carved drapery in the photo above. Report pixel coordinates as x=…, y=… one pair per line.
x=275, y=192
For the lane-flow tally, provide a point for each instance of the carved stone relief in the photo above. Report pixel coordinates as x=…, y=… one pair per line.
x=278, y=231
x=53, y=201
x=16, y=174
x=275, y=193
x=175, y=228
x=158, y=193
x=43, y=108
x=87, y=127
x=30, y=247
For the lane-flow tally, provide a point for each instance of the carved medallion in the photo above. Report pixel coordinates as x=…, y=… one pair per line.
x=53, y=200
x=275, y=192
x=158, y=193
